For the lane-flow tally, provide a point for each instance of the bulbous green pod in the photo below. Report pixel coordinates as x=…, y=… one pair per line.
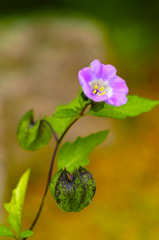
x=75, y=191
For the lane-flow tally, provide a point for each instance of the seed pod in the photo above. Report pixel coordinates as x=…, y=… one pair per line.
x=75, y=191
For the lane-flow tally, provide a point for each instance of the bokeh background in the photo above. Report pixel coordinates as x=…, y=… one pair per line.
x=43, y=45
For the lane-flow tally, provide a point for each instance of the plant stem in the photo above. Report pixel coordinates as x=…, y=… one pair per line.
x=46, y=189
x=54, y=134
x=58, y=141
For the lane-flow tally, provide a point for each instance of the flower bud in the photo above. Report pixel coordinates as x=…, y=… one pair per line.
x=75, y=191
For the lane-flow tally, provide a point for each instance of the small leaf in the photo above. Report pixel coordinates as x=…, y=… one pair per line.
x=15, y=206
x=33, y=135
x=134, y=106
x=4, y=231
x=60, y=124
x=84, y=97
x=26, y=234
x=65, y=113
x=97, y=106
x=75, y=154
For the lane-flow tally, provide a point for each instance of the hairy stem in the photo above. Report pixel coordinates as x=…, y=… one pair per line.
x=58, y=141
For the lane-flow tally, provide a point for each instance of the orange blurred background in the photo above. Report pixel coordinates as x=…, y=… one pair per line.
x=40, y=56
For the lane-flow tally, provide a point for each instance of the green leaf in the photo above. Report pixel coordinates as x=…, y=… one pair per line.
x=84, y=97
x=60, y=124
x=26, y=234
x=97, y=106
x=75, y=154
x=15, y=206
x=66, y=113
x=134, y=106
x=33, y=135
x=4, y=231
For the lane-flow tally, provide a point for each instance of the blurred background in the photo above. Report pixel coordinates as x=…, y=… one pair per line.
x=43, y=45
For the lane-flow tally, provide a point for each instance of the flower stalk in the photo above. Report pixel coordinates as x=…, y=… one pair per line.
x=58, y=141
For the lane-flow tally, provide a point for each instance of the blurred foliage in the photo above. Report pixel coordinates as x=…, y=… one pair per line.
x=132, y=25
x=107, y=10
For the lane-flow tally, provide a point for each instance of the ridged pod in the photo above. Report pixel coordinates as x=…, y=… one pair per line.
x=75, y=191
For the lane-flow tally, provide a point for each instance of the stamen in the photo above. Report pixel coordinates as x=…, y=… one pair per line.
x=101, y=89
x=96, y=87
x=94, y=91
x=100, y=94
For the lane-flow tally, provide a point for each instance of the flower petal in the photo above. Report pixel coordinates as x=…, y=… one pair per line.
x=97, y=67
x=118, y=85
x=120, y=90
x=85, y=75
x=109, y=71
x=87, y=90
x=117, y=100
x=97, y=98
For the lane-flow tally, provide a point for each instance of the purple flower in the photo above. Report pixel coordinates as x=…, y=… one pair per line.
x=100, y=83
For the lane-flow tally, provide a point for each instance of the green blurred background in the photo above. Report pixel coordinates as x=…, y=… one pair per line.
x=43, y=45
